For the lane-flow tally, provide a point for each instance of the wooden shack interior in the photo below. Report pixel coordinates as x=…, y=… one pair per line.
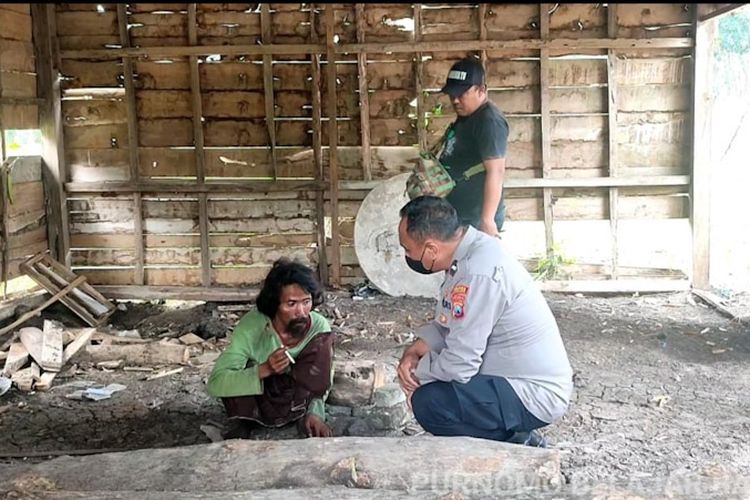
x=185, y=147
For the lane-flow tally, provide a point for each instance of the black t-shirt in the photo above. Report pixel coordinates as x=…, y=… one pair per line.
x=480, y=136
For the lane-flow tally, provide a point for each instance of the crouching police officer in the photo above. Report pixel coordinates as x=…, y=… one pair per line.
x=492, y=363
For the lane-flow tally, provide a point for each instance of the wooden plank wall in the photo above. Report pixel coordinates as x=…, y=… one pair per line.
x=23, y=207
x=263, y=139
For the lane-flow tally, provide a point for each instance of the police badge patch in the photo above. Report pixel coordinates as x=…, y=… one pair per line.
x=458, y=300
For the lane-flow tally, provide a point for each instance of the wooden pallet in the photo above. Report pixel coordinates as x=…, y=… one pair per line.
x=82, y=299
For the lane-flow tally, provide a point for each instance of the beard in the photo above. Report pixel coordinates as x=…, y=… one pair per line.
x=298, y=327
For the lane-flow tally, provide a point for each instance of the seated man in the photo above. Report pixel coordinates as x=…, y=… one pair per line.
x=492, y=363
x=278, y=367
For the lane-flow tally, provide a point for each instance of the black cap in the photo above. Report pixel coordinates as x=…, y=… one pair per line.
x=462, y=76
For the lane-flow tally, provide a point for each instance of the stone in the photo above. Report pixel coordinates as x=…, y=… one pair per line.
x=334, y=410
x=388, y=395
x=389, y=418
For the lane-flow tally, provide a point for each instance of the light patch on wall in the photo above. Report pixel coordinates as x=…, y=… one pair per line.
x=404, y=24
x=23, y=142
x=100, y=9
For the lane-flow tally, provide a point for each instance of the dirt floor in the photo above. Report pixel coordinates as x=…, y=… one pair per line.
x=661, y=383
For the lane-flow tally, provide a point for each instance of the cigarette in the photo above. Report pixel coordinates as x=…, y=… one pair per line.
x=291, y=359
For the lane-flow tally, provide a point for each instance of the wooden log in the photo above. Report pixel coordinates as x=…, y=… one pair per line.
x=354, y=381
x=154, y=353
x=461, y=464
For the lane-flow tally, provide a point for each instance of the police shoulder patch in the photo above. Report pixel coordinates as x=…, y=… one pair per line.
x=458, y=300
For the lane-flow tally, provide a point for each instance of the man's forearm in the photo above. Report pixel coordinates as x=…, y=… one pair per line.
x=419, y=348
x=493, y=192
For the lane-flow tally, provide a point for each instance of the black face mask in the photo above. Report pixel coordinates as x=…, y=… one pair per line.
x=417, y=266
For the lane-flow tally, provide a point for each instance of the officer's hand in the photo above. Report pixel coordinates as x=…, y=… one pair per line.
x=315, y=427
x=489, y=227
x=278, y=361
x=406, y=367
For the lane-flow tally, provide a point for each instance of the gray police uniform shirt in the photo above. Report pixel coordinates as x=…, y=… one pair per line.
x=492, y=319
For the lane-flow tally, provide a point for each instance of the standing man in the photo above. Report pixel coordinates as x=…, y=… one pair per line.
x=474, y=149
x=492, y=363
x=278, y=367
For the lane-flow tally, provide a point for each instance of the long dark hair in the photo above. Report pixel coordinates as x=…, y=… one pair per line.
x=287, y=272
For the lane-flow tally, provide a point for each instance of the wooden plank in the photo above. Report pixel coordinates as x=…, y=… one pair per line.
x=317, y=138
x=50, y=123
x=332, y=143
x=616, y=286
x=16, y=85
x=419, y=68
x=364, y=94
x=27, y=197
x=396, y=47
x=578, y=20
x=87, y=23
x=200, y=155
x=166, y=132
x=19, y=116
x=133, y=136
x=544, y=89
x=234, y=186
x=266, y=38
x=214, y=294
x=612, y=158
x=16, y=55
x=16, y=25
x=700, y=189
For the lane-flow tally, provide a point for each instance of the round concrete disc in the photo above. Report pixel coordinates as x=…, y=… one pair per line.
x=376, y=243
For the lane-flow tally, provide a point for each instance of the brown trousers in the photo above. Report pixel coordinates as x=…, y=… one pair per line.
x=287, y=396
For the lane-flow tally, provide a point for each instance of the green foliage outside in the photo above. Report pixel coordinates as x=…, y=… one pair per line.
x=551, y=266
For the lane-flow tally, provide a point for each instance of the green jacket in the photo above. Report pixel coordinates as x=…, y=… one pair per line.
x=253, y=340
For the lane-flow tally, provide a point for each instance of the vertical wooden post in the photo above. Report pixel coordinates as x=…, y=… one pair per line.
x=54, y=170
x=200, y=156
x=122, y=22
x=333, y=167
x=483, y=32
x=364, y=94
x=419, y=85
x=318, y=152
x=700, y=183
x=612, y=128
x=266, y=37
x=544, y=93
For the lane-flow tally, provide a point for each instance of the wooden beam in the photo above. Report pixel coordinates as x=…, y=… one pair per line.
x=483, y=31
x=4, y=178
x=428, y=46
x=22, y=100
x=333, y=167
x=214, y=294
x=564, y=182
x=364, y=94
x=612, y=136
x=157, y=186
x=122, y=22
x=546, y=128
x=700, y=192
x=318, y=154
x=419, y=86
x=720, y=11
x=54, y=170
x=266, y=38
x=616, y=286
x=200, y=154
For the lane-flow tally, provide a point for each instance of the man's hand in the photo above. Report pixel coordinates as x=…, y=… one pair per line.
x=315, y=427
x=489, y=227
x=406, y=367
x=276, y=364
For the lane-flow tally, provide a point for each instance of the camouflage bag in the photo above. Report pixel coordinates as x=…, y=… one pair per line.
x=430, y=177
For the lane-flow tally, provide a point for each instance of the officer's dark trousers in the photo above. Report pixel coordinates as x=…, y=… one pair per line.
x=485, y=407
